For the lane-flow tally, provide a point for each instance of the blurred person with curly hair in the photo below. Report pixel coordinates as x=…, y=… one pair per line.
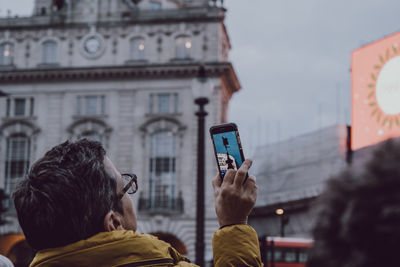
x=359, y=219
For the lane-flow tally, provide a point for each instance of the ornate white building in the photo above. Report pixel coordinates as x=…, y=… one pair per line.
x=122, y=72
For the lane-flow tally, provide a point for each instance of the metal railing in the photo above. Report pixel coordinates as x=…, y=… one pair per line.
x=163, y=205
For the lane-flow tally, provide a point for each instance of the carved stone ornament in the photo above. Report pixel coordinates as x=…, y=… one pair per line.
x=92, y=46
x=132, y=3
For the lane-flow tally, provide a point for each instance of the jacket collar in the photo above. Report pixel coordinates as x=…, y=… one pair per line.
x=84, y=249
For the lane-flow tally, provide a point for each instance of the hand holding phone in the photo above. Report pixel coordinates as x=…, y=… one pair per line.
x=234, y=199
x=227, y=147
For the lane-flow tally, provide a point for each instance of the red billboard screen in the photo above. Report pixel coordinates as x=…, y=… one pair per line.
x=375, y=74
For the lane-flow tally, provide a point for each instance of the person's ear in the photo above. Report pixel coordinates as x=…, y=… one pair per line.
x=113, y=221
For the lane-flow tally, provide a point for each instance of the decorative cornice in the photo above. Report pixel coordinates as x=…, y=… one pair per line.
x=26, y=122
x=88, y=119
x=198, y=14
x=180, y=126
x=153, y=71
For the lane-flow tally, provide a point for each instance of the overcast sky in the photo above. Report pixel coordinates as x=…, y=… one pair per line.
x=292, y=59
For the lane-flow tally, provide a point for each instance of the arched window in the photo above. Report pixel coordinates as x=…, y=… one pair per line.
x=162, y=170
x=6, y=54
x=137, y=48
x=91, y=135
x=49, y=52
x=183, y=47
x=17, y=159
x=90, y=128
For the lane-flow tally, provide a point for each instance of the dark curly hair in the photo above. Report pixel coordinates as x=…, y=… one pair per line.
x=66, y=195
x=359, y=220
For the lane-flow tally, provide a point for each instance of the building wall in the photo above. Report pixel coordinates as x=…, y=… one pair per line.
x=291, y=174
x=115, y=44
x=126, y=125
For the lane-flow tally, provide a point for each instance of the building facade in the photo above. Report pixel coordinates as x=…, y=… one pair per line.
x=123, y=72
x=291, y=175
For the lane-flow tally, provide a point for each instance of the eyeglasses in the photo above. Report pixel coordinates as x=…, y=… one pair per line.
x=130, y=183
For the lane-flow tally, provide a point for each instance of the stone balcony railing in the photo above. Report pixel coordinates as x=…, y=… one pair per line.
x=164, y=205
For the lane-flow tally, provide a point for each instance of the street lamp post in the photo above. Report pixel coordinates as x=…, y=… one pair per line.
x=4, y=198
x=284, y=220
x=201, y=101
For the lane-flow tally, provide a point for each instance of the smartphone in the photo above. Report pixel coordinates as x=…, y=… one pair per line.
x=227, y=147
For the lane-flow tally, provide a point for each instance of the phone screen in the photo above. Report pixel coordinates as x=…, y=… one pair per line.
x=228, y=151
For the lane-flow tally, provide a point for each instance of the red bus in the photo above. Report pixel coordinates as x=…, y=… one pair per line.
x=284, y=251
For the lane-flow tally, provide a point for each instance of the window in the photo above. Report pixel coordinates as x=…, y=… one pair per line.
x=303, y=255
x=278, y=255
x=164, y=103
x=155, y=5
x=183, y=47
x=285, y=254
x=20, y=107
x=290, y=255
x=6, y=54
x=92, y=128
x=49, y=52
x=137, y=48
x=90, y=105
x=43, y=11
x=17, y=156
x=162, y=169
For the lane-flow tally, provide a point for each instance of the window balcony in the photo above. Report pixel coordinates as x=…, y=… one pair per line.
x=161, y=205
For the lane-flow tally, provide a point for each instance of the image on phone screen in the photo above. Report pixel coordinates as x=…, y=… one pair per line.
x=227, y=150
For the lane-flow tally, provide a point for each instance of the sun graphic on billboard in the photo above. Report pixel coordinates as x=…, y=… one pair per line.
x=385, y=90
x=376, y=92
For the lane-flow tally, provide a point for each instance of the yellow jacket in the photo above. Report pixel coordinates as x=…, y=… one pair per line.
x=232, y=246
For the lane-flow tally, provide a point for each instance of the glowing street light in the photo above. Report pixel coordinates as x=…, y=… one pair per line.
x=284, y=219
x=279, y=211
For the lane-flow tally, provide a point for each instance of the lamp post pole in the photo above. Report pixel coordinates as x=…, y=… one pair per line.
x=200, y=92
x=201, y=114
x=284, y=219
x=4, y=197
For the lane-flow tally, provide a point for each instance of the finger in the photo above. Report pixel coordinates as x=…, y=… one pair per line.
x=255, y=190
x=241, y=173
x=229, y=177
x=250, y=183
x=217, y=181
x=253, y=194
x=251, y=189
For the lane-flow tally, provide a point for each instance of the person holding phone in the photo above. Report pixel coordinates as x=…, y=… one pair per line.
x=235, y=197
x=74, y=209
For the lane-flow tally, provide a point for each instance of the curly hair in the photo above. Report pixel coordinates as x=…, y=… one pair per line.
x=359, y=218
x=66, y=195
